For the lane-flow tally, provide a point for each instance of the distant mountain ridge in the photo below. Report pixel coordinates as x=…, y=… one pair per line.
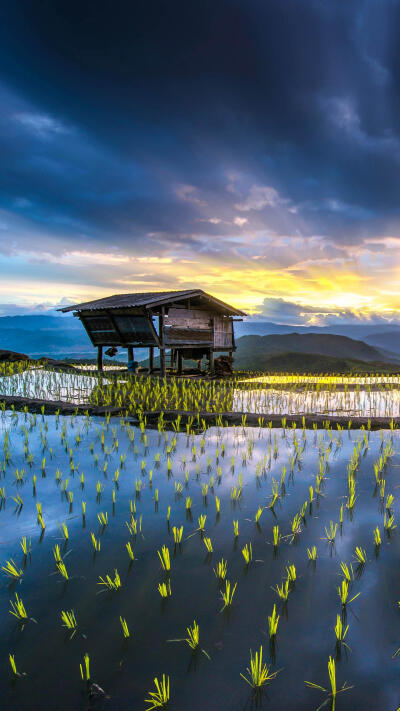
x=358, y=331
x=253, y=352
x=41, y=335
x=302, y=363
x=64, y=336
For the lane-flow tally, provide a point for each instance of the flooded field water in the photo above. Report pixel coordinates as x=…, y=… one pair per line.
x=51, y=465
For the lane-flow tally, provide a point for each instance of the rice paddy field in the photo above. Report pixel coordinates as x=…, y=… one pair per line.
x=196, y=568
x=370, y=396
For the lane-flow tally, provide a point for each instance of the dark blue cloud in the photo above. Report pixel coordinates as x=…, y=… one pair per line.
x=155, y=126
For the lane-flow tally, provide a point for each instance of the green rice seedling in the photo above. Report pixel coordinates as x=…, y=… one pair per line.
x=19, y=475
x=85, y=668
x=217, y=504
x=273, y=621
x=164, y=558
x=283, y=590
x=132, y=526
x=274, y=499
x=83, y=509
x=61, y=568
x=102, y=518
x=12, y=570
x=291, y=573
x=168, y=513
x=236, y=528
x=227, y=594
x=351, y=500
x=343, y=591
x=312, y=553
x=19, y=502
x=26, y=546
x=341, y=515
x=18, y=609
x=333, y=687
x=159, y=698
x=348, y=573
x=331, y=532
x=382, y=485
x=13, y=665
x=130, y=551
x=389, y=502
x=258, y=514
x=341, y=632
x=360, y=555
x=303, y=510
x=236, y=493
x=188, y=503
x=202, y=522
x=258, y=674
x=138, y=485
x=95, y=543
x=388, y=523
x=68, y=620
x=377, y=537
x=220, y=570
x=193, y=639
x=164, y=589
x=178, y=487
x=57, y=554
x=125, y=628
x=296, y=526
x=64, y=486
x=208, y=544
x=64, y=531
x=110, y=583
x=276, y=536
x=247, y=553
x=204, y=490
x=177, y=533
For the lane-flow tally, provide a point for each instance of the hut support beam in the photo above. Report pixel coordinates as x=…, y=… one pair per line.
x=211, y=368
x=131, y=355
x=162, y=361
x=100, y=358
x=151, y=359
x=180, y=363
x=162, y=342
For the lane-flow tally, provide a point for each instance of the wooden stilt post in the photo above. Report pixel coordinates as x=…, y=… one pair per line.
x=162, y=361
x=100, y=358
x=162, y=343
x=211, y=361
x=131, y=355
x=180, y=363
x=151, y=359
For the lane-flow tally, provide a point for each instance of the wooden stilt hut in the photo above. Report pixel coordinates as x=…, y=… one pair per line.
x=179, y=325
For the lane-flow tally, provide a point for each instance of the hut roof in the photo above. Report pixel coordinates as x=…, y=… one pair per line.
x=150, y=299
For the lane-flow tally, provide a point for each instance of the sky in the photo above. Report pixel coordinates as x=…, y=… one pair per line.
x=250, y=148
